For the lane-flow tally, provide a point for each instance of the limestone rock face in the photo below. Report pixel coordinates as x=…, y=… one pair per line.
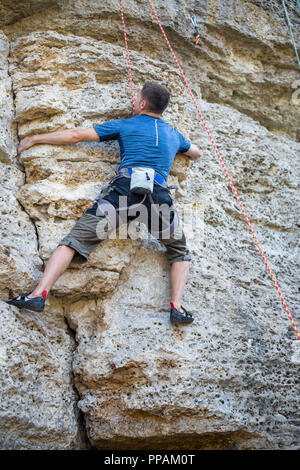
x=38, y=402
x=7, y=126
x=102, y=366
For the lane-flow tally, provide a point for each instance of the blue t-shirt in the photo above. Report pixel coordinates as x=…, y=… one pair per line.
x=144, y=141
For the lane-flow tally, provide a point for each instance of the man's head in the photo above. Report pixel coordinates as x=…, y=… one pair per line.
x=152, y=99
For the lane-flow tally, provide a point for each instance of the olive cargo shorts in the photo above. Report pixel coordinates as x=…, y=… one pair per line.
x=84, y=236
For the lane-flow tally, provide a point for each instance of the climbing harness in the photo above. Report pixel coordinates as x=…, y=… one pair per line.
x=112, y=214
x=290, y=28
x=216, y=150
x=108, y=210
x=194, y=21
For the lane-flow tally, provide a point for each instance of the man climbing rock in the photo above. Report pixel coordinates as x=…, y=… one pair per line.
x=148, y=146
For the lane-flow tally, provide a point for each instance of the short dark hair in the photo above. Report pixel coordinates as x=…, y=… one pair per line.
x=157, y=97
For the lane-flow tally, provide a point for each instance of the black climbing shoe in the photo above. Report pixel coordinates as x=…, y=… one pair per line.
x=36, y=304
x=180, y=317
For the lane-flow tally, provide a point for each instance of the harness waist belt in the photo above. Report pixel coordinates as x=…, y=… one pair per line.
x=126, y=171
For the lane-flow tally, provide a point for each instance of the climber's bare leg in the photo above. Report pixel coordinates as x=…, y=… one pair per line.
x=56, y=265
x=178, y=274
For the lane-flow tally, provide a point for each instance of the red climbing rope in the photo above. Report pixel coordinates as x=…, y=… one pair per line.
x=217, y=152
x=127, y=53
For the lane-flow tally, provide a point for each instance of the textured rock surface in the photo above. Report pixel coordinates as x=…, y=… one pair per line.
x=245, y=49
x=38, y=405
x=128, y=379
x=7, y=127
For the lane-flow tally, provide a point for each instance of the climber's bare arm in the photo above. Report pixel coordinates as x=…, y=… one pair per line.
x=67, y=136
x=193, y=152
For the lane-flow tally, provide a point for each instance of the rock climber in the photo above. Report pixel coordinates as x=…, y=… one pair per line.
x=146, y=141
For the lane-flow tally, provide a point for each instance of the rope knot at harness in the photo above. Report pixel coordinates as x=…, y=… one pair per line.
x=214, y=146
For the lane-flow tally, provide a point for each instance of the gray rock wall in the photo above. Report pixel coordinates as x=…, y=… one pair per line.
x=102, y=367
